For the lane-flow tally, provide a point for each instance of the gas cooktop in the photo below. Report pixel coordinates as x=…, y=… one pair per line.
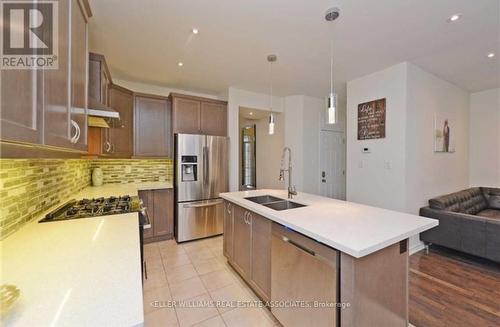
x=85, y=208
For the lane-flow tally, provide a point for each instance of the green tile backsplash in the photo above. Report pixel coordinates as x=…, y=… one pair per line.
x=30, y=186
x=134, y=170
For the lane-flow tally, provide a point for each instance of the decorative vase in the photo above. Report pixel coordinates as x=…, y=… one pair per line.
x=97, y=177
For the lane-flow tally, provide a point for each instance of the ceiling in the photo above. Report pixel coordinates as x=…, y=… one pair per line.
x=144, y=40
x=252, y=113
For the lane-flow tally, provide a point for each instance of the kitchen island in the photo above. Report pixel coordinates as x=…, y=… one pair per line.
x=81, y=272
x=322, y=249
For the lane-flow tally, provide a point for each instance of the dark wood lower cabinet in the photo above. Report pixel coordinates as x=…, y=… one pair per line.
x=147, y=199
x=261, y=255
x=375, y=286
x=241, y=259
x=163, y=212
x=247, y=245
x=160, y=207
x=227, y=246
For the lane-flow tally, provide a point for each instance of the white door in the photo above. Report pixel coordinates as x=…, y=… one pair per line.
x=332, y=164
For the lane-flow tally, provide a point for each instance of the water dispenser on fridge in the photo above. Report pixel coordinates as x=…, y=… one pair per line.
x=189, y=168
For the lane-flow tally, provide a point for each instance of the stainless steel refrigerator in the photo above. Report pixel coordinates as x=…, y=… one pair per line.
x=201, y=173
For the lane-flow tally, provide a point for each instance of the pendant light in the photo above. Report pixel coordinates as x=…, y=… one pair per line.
x=330, y=15
x=271, y=58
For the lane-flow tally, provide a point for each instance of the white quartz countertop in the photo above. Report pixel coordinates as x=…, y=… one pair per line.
x=352, y=228
x=107, y=190
x=82, y=272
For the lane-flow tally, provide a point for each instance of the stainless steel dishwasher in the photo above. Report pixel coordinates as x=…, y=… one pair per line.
x=304, y=282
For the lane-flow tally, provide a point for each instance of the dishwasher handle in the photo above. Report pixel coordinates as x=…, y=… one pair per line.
x=297, y=245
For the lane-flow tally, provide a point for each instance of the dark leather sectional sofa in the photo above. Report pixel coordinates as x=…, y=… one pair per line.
x=469, y=221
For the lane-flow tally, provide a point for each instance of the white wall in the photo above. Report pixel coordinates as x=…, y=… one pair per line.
x=484, y=141
x=240, y=98
x=311, y=126
x=368, y=179
x=268, y=150
x=268, y=156
x=403, y=172
x=429, y=173
x=304, y=118
x=294, y=130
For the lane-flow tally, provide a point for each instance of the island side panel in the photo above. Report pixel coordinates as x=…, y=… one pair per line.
x=376, y=286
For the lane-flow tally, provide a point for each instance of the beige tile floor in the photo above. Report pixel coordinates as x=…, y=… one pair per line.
x=197, y=273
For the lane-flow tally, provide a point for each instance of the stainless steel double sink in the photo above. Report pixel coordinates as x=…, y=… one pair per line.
x=274, y=202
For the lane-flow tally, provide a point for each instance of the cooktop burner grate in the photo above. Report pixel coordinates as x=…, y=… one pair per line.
x=85, y=208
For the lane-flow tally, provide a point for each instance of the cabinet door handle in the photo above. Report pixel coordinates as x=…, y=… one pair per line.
x=75, y=137
x=107, y=146
x=249, y=218
x=79, y=133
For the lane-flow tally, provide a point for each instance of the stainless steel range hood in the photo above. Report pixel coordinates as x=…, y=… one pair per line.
x=95, y=108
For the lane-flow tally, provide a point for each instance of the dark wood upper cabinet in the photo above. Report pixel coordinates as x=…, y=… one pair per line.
x=196, y=115
x=152, y=126
x=58, y=129
x=48, y=107
x=20, y=110
x=213, y=118
x=79, y=59
x=99, y=78
x=186, y=114
x=65, y=88
x=120, y=133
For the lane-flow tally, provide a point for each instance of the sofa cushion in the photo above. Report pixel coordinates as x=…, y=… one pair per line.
x=489, y=213
x=469, y=201
x=492, y=196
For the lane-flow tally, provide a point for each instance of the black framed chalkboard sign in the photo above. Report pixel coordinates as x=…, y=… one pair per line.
x=371, y=120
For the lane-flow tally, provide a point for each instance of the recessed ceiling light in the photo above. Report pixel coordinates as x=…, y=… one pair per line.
x=491, y=55
x=455, y=17
x=251, y=113
x=195, y=31
x=180, y=64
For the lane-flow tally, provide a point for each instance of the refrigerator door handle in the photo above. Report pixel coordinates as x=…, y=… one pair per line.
x=205, y=165
x=205, y=204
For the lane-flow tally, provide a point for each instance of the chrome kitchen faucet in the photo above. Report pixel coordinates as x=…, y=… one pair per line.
x=291, y=189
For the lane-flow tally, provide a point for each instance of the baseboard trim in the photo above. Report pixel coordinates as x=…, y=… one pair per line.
x=153, y=239
x=420, y=246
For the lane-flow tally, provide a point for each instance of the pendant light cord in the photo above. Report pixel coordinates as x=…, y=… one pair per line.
x=271, y=85
x=331, y=66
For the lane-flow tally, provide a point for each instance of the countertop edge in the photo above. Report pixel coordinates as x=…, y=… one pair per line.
x=340, y=247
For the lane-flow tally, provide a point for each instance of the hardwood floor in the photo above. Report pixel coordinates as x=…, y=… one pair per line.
x=451, y=289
